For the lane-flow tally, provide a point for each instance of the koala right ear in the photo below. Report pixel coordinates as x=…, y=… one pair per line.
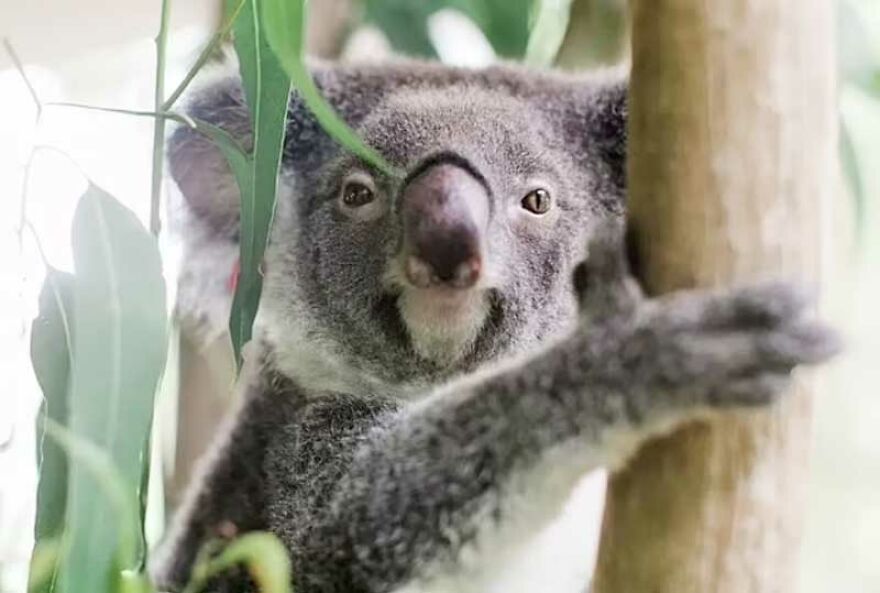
x=197, y=165
x=200, y=169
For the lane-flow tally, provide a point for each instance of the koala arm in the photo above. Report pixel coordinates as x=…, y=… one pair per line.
x=374, y=496
x=228, y=493
x=496, y=456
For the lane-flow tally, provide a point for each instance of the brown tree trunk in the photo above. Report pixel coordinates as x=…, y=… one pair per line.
x=732, y=163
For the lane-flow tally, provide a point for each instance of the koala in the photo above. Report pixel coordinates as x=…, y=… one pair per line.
x=440, y=356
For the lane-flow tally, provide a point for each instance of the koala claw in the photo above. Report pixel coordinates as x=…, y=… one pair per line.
x=751, y=391
x=727, y=348
x=761, y=305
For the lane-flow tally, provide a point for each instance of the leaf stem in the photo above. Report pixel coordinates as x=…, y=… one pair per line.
x=219, y=135
x=136, y=112
x=204, y=56
x=22, y=208
x=20, y=68
x=159, y=123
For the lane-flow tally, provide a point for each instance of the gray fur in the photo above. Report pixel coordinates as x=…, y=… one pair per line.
x=382, y=470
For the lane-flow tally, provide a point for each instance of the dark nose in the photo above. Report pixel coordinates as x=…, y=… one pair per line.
x=445, y=212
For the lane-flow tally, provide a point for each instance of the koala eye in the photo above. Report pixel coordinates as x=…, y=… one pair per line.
x=356, y=194
x=537, y=201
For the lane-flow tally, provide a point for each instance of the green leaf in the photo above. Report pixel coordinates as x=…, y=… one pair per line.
x=134, y=582
x=849, y=161
x=548, y=31
x=262, y=553
x=249, y=286
x=858, y=61
x=44, y=564
x=267, y=90
x=239, y=160
x=405, y=23
x=110, y=482
x=266, y=78
x=50, y=356
x=208, y=52
x=505, y=23
x=119, y=325
x=285, y=22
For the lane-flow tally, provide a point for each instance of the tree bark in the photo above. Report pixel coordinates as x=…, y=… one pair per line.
x=732, y=164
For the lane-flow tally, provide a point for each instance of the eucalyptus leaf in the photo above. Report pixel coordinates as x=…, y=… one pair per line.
x=111, y=485
x=263, y=554
x=858, y=60
x=118, y=329
x=849, y=161
x=266, y=76
x=246, y=300
x=135, y=582
x=285, y=22
x=44, y=564
x=505, y=23
x=239, y=160
x=405, y=24
x=50, y=357
x=548, y=32
x=267, y=91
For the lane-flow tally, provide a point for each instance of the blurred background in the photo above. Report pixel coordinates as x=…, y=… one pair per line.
x=102, y=54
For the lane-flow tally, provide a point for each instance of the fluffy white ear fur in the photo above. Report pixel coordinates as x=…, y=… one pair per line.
x=201, y=259
x=203, y=263
x=196, y=165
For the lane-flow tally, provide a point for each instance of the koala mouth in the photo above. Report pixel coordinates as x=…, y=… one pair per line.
x=442, y=326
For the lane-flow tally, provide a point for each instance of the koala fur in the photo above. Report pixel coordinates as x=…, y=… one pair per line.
x=398, y=444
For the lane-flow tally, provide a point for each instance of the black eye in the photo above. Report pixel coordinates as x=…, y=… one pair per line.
x=356, y=194
x=537, y=201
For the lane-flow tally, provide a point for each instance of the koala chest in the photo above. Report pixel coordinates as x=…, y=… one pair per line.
x=543, y=548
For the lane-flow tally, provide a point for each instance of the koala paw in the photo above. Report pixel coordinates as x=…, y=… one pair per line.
x=728, y=348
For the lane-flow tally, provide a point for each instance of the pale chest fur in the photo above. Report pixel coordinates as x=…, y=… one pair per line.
x=547, y=543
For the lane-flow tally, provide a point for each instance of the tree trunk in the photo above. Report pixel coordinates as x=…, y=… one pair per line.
x=732, y=162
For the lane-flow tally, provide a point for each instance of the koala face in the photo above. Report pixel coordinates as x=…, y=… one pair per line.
x=464, y=257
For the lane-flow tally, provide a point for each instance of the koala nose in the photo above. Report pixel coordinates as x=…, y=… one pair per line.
x=445, y=211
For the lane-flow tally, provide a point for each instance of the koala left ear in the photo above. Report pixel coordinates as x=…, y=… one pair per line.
x=608, y=127
x=597, y=122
